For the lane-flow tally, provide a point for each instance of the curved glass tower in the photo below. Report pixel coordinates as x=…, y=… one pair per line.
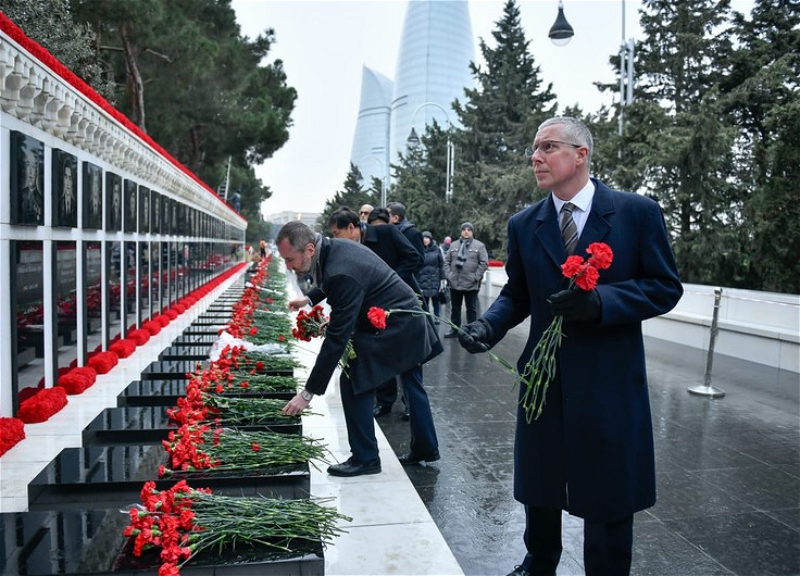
x=436, y=49
x=370, y=150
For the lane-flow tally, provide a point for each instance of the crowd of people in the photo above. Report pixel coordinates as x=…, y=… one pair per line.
x=590, y=452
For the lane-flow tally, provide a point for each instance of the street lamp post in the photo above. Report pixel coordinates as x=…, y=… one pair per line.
x=383, y=177
x=413, y=141
x=561, y=33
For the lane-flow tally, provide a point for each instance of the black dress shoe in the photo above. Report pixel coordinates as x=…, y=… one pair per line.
x=452, y=334
x=381, y=410
x=351, y=467
x=519, y=571
x=411, y=458
x=405, y=416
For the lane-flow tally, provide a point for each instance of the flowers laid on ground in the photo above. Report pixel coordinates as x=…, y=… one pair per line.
x=541, y=368
x=77, y=380
x=198, y=406
x=223, y=381
x=313, y=324
x=183, y=522
x=124, y=347
x=139, y=336
x=237, y=359
x=103, y=362
x=41, y=406
x=12, y=430
x=196, y=447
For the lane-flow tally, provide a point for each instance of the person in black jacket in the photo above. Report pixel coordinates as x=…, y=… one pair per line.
x=354, y=279
x=394, y=249
x=431, y=276
x=386, y=241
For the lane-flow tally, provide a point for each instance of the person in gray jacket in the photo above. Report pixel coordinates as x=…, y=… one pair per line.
x=464, y=265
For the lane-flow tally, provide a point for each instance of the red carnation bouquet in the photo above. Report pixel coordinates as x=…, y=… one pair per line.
x=78, y=379
x=124, y=347
x=103, y=362
x=12, y=431
x=42, y=405
x=541, y=368
x=182, y=522
x=313, y=325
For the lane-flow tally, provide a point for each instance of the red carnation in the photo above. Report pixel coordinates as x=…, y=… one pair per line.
x=378, y=317
x=140, y=336
x=12, y=431
x=43, y=405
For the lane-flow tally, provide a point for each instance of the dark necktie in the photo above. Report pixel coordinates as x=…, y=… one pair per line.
x=569, y=230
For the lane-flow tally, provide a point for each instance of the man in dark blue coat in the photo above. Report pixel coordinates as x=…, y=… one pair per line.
x=590, y=452
x=354, y=280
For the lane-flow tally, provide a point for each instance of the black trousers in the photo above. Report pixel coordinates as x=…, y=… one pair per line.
x=470, y=299
x=606, y=545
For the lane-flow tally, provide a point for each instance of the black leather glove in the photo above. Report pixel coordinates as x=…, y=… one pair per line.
x=576, y=305
x=476, y=336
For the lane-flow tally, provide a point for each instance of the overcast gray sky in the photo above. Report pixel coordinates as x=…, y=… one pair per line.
x=325, y=43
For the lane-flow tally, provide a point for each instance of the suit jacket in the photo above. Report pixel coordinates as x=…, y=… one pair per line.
x=394, y=248
x=591, y=450
x=354, y=279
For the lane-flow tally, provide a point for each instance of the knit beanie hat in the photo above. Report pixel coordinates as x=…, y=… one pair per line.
x=468, y=225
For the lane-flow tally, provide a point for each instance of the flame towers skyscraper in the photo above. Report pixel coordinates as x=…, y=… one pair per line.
x=436, y=48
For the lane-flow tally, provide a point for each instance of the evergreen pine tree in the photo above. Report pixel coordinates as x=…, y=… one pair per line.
x=493, y=179
x=352, y=195
x=762, y=94
x=677, y=145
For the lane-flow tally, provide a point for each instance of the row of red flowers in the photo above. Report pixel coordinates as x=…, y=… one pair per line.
x=38, y=404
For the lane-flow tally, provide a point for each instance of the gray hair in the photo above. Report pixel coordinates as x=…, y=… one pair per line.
x=574, y=130
x=298, y=234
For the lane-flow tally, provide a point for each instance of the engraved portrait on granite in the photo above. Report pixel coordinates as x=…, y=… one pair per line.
x=27, y=180
x=65, y=189
x=92, y=196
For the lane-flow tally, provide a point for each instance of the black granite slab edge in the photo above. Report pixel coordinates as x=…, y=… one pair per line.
x=196, y=341
x=188, y=353
x=116, y=474
x=173, y=369
x=143, y=425
x=91, y=543
x=165, y=392
x=201, y=331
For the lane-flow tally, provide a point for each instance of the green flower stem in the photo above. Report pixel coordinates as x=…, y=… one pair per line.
x=233, y=450
x=262, y=383
x=492, y=356
x=241, y=411
x=540, y=370
x=277, y=524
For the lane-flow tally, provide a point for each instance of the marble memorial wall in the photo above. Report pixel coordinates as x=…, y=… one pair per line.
x=100, y=229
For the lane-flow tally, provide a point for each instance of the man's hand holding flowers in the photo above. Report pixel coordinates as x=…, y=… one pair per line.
x=475, y=337
x=576, y=305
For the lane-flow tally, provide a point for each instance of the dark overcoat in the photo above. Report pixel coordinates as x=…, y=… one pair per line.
x=354, y=279
x=431, y=274
x=591, y=450
x=391, y=245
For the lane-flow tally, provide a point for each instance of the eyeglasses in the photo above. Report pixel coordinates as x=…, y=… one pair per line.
x=548, y=147
x=363, y=212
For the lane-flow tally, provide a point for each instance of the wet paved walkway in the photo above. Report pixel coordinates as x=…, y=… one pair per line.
x=728, y=469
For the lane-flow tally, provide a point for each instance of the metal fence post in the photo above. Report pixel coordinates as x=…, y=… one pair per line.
x=707, y=389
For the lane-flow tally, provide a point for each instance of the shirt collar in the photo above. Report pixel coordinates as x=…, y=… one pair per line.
x=583, y=199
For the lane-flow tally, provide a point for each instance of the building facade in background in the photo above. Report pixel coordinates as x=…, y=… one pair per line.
x=436, y=49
